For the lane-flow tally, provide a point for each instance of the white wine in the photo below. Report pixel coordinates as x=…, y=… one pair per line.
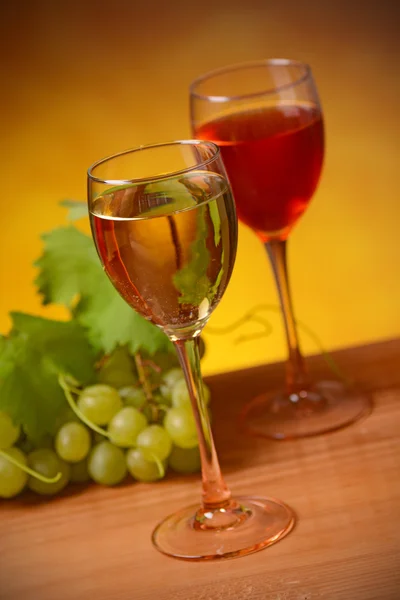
x=168, y=246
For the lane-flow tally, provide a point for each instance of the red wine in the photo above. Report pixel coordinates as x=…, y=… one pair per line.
x=273, y=157
x=169, y=246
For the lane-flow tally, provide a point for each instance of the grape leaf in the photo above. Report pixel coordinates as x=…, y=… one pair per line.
x=31, y=359
x=214, y=288
x=192, y=281
x=111, y=322
x=216, y=220
x=168, y=196
x=70, y=271
x=65, y=342
x=68, y=266
x=76, y=209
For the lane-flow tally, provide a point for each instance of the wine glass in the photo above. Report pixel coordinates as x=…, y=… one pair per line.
x=164, y=223
x=266, y=118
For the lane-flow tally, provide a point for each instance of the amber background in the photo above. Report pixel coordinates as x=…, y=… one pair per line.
x=80, y=80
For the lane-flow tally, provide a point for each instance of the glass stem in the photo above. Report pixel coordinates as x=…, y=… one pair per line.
x=215, y=491
x=296, y=378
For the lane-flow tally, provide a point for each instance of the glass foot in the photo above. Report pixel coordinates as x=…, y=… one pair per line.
x=325, y=406
x=247, y=524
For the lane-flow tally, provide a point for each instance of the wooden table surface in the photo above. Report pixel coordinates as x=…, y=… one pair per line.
x=345, y=487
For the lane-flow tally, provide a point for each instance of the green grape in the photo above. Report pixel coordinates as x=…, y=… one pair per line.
x=168, y=381
x=165, y=360
x=180, y=394
x=117, y=370
x=79, y=472
x=140, y=468
x=184, y=460
x=65, y=417
x=154, y=441
x=9, y=433
x=180, y=424
x=117, y=378
x=47, y=463
x=107, y=464
x=173, y=375
x=133, y=396
x=125, y=426
x=165, y=392
x=99, y=403
x=12, y=478
x=73, y=442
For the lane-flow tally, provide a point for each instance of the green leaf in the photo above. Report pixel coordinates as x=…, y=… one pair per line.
x=30, y=361
x=192, y=281
x=71, y=274
x=214, y=288
x=112, y=322
x=169, y=196
x=76, y=209
x=147, y=199
x=68, y=266
x=216, y=221
x=64, y=342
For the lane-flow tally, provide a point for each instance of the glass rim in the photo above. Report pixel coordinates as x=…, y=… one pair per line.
x=162, y=177
x=246, y=65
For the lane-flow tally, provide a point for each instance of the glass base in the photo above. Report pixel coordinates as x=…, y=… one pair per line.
x=325, y=406
x=247, y=524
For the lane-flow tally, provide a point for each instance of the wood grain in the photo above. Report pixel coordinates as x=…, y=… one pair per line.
x=345, y=488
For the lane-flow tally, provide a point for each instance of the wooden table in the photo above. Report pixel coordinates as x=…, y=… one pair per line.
x=345, y=487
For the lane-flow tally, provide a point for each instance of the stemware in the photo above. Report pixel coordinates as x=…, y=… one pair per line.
x=164, y=223
x=267, y=119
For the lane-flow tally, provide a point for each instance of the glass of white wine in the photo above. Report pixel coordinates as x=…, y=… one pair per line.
x=164, y=223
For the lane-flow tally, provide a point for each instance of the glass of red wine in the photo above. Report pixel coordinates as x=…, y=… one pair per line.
x=266, y=118
x=165, y=227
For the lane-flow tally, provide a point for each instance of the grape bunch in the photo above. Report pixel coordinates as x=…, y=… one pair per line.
x=123, y=427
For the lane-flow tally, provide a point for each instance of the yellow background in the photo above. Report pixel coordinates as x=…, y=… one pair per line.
x=80, y=80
